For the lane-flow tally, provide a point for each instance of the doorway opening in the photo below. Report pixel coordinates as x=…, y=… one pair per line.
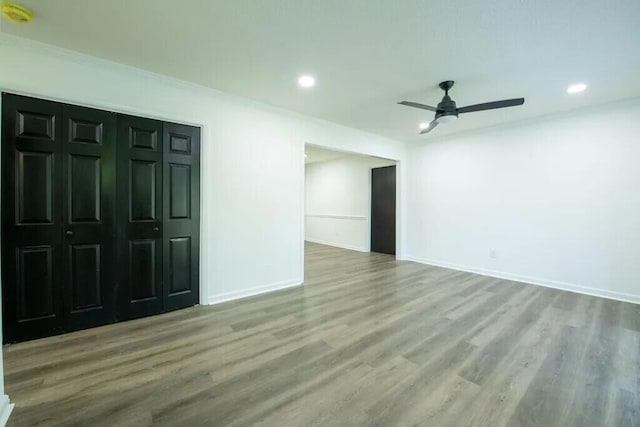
x=350, y=200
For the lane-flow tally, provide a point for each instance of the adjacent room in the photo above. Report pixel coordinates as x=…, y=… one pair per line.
x=292, y=213
x=350, y=200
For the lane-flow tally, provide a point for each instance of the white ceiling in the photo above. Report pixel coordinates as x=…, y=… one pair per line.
x=366, y=54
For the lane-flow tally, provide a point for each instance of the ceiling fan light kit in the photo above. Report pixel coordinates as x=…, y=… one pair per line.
x=447, y=111
x=447, y=118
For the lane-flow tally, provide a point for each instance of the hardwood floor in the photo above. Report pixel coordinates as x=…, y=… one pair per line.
x=368, y=340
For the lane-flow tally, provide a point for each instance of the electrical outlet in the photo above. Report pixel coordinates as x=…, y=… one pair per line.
x=492, y=254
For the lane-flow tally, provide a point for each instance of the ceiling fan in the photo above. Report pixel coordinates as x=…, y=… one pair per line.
x=446, y=111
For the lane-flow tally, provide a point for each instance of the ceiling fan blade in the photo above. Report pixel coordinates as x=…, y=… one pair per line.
x=428, y=129
x=416, y=105
x=491, y=105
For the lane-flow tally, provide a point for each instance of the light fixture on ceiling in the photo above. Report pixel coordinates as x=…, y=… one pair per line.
x=423, y=125
x=306, y=81
x=576, y=88
x=305, y=155
x=447, y=118
x=16, y=13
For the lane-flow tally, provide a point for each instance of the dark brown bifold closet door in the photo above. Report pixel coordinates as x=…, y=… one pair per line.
x=57, y=217
x=100, y=217
x=139, y=177
x=181, y=215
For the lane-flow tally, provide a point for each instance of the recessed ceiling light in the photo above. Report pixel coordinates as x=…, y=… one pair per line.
x=305, y=155
x=307, y=81
x=576, y=88
x=424, y=125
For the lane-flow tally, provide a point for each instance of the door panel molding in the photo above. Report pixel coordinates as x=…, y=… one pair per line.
x=35, y=283
x=84, y=188
x=34, y=187
x=86, y=263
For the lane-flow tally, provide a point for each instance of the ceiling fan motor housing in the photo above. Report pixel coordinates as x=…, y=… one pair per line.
x=447, y=110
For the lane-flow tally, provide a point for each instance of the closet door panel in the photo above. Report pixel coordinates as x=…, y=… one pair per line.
x=32, y=220
x=89, y=166
x=181, y=215
x=140, y=249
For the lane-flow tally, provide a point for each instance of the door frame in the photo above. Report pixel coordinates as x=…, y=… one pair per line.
x=202, y=294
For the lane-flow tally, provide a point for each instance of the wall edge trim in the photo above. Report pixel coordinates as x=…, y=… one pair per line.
x=338, y=245
x=564, y=286
x=6, y=407
x=245, y=293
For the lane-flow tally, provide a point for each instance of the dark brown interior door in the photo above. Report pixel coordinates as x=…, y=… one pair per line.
x=139, y=176
x=88, y=165
x=383, y=210
x=181, y=215
x=31, y=218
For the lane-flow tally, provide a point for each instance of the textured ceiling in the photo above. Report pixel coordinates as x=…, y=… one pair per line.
x=366, y=54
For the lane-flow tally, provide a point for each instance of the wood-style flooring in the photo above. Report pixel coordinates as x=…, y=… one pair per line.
x=367, y=341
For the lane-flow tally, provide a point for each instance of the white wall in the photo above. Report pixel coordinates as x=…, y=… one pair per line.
x=252, y=158
x=338, y=201
x=557, y=199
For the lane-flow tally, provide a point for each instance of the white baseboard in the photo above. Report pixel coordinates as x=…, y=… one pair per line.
x=230, y=296
x=338, y=245
x=596, y=292
x=5, y=410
